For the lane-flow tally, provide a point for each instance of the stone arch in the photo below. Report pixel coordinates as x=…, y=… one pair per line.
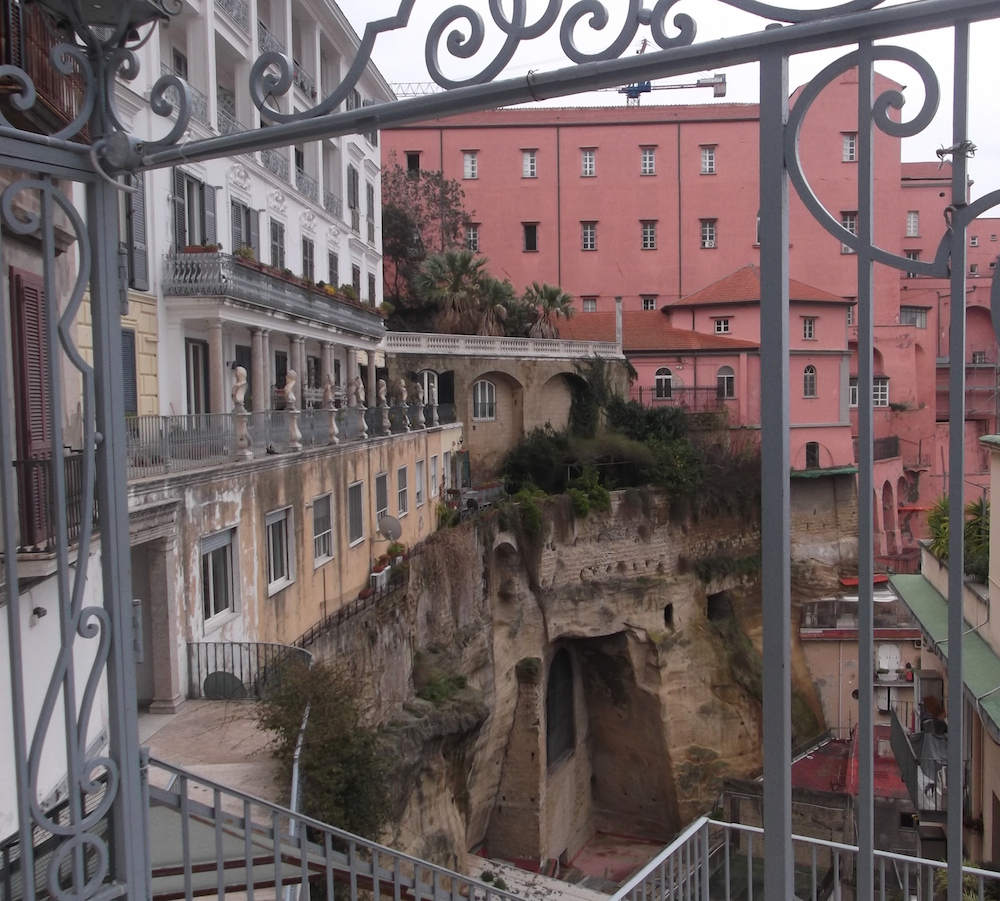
x=551, y=403
x=560, y=725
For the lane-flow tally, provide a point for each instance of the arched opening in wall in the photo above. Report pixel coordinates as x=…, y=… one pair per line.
x=877, y=521
x=919, y=390
x=718, y=606
x=812, y=455
x=668, y=616
x=560, y=730
x=889, y=518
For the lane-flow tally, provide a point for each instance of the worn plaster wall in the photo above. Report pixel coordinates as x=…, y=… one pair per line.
x=825, y=520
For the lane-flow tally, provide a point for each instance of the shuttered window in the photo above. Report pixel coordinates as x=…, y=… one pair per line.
x=246, y=227
x=194, y=212
x=131, y=387
x=137, y=251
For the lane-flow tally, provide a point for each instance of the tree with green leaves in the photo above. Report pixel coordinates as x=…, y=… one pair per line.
x=453, y=283
x=549, y=302
x=976, y=535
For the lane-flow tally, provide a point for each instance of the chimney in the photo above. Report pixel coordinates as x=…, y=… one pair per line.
x=618, y=321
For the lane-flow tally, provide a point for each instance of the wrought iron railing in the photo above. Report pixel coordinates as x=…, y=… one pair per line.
x=305, y=81
x=233, y=670
x=238, y=11
x=160, y=444
x=207, y=838
x=925, y=774
x=199, y=102
x=220, y=274
x=228, y=124
x=692, y=400
x=333, y=204
x=36, y=501
x=842, y=613
x=267, y=40
x=307, y=185
x=275, y=161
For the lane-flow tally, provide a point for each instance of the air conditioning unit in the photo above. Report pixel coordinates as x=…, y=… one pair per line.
x=709, y=244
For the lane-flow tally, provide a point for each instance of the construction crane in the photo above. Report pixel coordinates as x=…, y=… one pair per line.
x=633, y=92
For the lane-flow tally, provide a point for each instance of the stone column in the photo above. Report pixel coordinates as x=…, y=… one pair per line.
x=258, y=390
x=265, y=357
x=163, y=613
x=352, y=365
x=370, y=383
x=326, y=362
x=216, y=367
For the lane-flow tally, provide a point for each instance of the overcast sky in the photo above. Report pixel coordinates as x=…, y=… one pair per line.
x=400, y=57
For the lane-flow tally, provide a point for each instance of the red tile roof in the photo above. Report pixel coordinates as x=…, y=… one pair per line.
x=743, y=286
x=926, y=170
x=646, y=331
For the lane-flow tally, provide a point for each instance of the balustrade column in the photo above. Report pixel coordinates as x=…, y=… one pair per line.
x=352, y=365
x=216, y=368
x=372, y=387
x=265, y=361
x=258, y=390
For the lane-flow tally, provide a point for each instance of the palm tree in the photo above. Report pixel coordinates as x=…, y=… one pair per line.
x=550, y=302
x=453, y=281
x=494, y=303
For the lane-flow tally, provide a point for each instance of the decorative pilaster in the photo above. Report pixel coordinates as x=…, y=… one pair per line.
x=265, y=361
x=216, y=366
x=329, y=403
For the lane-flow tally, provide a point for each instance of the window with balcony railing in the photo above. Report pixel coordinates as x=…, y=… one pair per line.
x=267, y=40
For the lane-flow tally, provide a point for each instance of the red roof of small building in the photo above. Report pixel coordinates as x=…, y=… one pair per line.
x=646, y=331
x=926, y=170
x=743, y=286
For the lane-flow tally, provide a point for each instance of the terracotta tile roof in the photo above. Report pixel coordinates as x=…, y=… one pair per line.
x=646, y=331
x=743, y=286
x=926, y=170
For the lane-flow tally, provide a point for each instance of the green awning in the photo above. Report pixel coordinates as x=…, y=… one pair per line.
x=980, y=663
x=820, y=473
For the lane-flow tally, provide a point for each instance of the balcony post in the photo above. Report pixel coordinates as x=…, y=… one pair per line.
x=265, y=365
x=371, y=385
x=258, y=387
x=216, y=365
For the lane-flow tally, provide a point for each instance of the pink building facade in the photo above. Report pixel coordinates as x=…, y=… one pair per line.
x=654, y=204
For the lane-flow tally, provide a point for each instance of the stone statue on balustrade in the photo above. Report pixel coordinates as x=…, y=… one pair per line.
x=383, y=407
x=243, y=451
x=352, y=393
x=402, y=398
x=421, y=421
x=292, y=410
x=359, y=387
x=359, y=391
x=434, y=403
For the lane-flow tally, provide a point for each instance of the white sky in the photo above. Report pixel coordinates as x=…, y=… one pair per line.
x=400, y=58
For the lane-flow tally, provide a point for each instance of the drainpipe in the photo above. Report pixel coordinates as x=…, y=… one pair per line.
x=618, y=322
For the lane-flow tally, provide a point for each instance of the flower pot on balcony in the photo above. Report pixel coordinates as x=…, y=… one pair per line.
x=201, y=248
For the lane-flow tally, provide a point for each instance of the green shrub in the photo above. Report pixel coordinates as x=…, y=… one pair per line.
x=529, y=511
x=581, y=503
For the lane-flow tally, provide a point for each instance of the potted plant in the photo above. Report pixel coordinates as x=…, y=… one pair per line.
x=366, y=592
x=203, y=248
x=245, y=252
x=380, y=564
x=395, y=551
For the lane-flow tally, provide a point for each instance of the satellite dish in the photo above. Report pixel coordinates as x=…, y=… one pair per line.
x=223, y=686
x=389, y=527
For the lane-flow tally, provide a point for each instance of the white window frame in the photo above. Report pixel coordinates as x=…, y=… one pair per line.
x=588, y=235
x=648, y=303
x=472, y=237
x=912, y=223
x=978, y=357
x=588, y=162
x=664, y=386
x=589, y=304
x=381, y=483
x=435, y=487
x=709, y=234
x=418, y=482
x=708, y=159
x=322, y=540
x=484, y=401
x=880, y=391
x=218, y=547
x=849, y=151
x=649, y=234
x=849, y=220
x=355, y=498
x=446, y=470
x=973, y=240
x=722, y=326
x=809, y=381
x=852, y=396
x=973, y=268
x=279, y=522
x=725, y=383
x=808, y=328
x=470, y=164
x=529, y=164
x=402, y=493
x=912, y=255
x=850, y=315
x=647, y=161
x=915, y=316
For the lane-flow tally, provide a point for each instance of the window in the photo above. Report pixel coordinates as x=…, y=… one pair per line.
x=812, y=455
x=218, y=587
x=356, y=280
x=381, y=496
x=589, y=235
x=979, y=357
x=446, y=469
x=130, y=382
x=973, y=268
x=708, y=233
x=322, y=530
x=850, y=315
x=179, y=62
x=726, y=382
x=530, y=237
x=470, y=164
x=372, y=289
x=354, y=198
x=418, y=478
x=912, y=255
x=853, y=392
x=412, y=161
x=912, y=223
x=973, y=240
x=472, y=238
x=880, y=391
x=649, y=303
x=649, y=235
x=354, y=100
x=308, y=260
x=277, y=244
x=484, y=400
x=708, y=160
x=280, y=558
x=560, y=733
x=402, y=495
x=196, y=369
x=809, y=381
x=245, y=229
x=647, y=161
x=809, y=327
x=850, y=222
x=589, y=304
x=355, y=514
x=588, y=163
x=722, y=326
x=915, y=316
x=132, y=230
x=333, y=262
x=435, y=488
x=528, y=164
x=664, y=383
x=194, y=211
x=370, y=211
x=850, y=148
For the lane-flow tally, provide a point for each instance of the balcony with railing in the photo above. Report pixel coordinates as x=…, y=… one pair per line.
x=303, y=80
x=276, y=161
x=423, y=344
x=228, y=123
x=222, y=275
x=840, y=614
x=199, y=102
x=307, y=185
x=36, y=492
x=707, y=400
x=238, y=11
x=333, y=204
x=267, y=40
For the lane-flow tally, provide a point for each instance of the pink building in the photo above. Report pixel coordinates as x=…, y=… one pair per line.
x=657, y=203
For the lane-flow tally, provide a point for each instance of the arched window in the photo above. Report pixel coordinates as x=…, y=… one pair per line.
x=812, y=455
x=809, y=381
x=484, y=400
x=726, y=382
x=560, y=734
x=428, y=377
x=664, y=378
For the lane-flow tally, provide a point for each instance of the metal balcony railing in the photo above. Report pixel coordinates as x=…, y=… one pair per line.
x=305, y=81
x=333, y=204
x=199, y=102
x=229, y=125
x=158, y=444
x=220, y=274
x=842, y=613
x=307, y=185
x=267, y=40
x=234, y=670
x=276, y=161
x=238, y=11
x=36, y=501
